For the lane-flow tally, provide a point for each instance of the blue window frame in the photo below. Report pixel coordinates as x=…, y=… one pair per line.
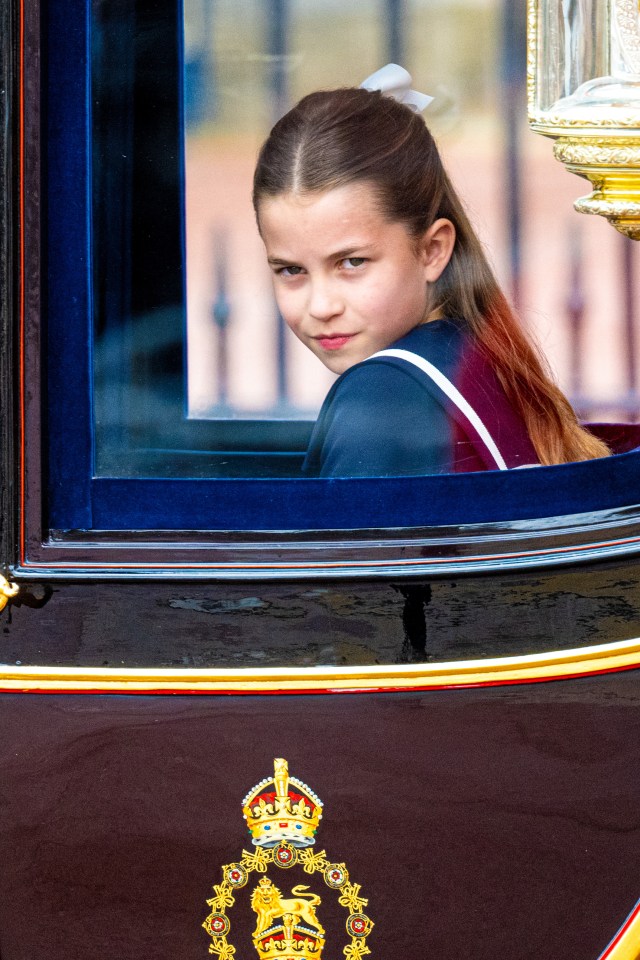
x=81, y=497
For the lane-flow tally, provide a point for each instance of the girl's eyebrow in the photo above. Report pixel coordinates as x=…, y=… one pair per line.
x=338, y=255
x=349, y=252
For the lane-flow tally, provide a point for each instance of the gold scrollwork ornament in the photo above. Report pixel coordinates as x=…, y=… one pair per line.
x=8, y=591
x=613, y=169
x=282, y=814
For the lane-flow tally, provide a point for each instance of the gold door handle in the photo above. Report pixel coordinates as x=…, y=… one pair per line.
x=8, y=590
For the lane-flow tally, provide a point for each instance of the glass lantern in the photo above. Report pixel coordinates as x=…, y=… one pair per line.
x=584, y=91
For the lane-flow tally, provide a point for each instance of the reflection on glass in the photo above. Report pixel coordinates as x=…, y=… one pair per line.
x=595, y=99
x=595, y=47
x=576, y=36
x=574, y=48
x=626, y=35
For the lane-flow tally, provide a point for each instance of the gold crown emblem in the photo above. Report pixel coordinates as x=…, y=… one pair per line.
x=282, y=808
x=283, y=815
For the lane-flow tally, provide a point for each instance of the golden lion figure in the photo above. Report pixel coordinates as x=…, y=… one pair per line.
x=268, y=903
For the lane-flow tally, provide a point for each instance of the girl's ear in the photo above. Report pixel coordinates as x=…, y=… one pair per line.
x=436, y=247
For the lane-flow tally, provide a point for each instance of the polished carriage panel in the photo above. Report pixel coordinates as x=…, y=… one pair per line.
x=333, y=623
x=498, y=822
x=495, y=821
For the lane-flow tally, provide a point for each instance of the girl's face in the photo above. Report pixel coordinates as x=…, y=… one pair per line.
x=347, y=281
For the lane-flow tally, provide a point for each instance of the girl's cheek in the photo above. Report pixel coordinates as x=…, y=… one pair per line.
x=289, y=315
x=291, y=303
x=373, y=300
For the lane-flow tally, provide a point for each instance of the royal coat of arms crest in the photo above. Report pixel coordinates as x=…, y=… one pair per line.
x=283, y=815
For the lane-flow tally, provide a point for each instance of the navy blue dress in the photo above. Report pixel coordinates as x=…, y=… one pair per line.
x=384, y=417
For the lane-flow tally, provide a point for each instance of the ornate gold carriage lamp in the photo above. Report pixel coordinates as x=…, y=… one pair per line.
x=584, y=91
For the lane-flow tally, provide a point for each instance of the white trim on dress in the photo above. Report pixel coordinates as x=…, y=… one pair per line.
x=452, y=393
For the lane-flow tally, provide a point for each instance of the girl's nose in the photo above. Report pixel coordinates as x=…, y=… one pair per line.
x=324, y=302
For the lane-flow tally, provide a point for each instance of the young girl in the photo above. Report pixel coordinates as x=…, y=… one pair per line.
x=378, y=271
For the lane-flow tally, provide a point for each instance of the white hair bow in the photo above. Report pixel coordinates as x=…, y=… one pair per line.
x=394, y=81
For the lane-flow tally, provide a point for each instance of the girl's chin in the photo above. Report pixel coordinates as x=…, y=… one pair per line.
x=340, y=364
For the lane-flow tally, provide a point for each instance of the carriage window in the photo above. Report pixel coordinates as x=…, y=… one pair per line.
x=193, y=374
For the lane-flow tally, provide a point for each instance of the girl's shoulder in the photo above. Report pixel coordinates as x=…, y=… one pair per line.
x=468, y=381
x=378, y=381
x=444, y=343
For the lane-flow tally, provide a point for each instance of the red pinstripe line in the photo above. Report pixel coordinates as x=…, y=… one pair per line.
x=621, y=932
x=21, y=121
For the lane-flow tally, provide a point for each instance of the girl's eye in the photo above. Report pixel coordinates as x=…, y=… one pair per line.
x=290, y=271
x=351, y=263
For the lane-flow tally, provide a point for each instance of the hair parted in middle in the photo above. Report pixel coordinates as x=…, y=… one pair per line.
x=352, y=136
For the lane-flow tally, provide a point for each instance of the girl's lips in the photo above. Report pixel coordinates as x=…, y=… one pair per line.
x=335, y=342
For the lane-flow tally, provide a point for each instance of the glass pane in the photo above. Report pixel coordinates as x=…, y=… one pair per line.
x=245, y=64
x=573, y=47
x=137, y=226
x=195, y=374
x=588, y=57
x=201, y=85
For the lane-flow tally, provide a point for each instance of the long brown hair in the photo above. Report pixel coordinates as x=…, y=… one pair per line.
x=332, y=138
